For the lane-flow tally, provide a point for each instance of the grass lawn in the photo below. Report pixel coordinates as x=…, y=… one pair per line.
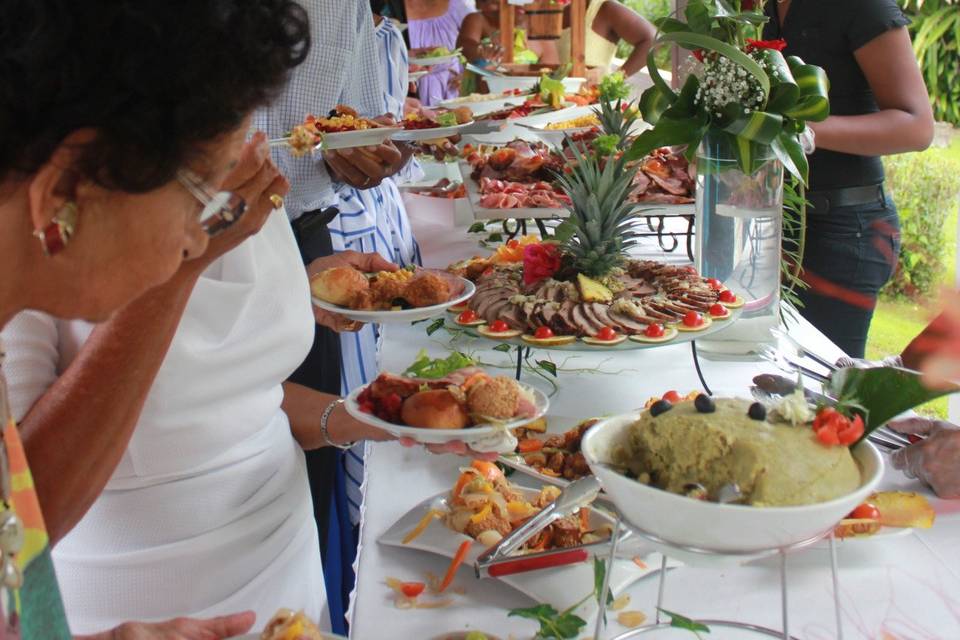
x=896, y=323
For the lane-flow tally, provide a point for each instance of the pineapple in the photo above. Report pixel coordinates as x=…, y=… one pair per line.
x=615, y=121
x=598, y=231
x=593, y=291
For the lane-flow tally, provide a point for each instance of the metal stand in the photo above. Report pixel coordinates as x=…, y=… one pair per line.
x=522, y=354
x=783, y=633
x=696, y=363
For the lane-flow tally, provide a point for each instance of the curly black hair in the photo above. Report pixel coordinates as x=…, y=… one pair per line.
x=153, y=78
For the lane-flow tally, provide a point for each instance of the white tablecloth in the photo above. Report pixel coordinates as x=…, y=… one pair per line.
x=907, y=587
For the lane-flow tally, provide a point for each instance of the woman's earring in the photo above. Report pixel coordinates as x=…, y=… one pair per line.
x=56, y=235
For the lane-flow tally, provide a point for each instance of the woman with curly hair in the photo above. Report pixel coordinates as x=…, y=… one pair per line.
x=122, y=124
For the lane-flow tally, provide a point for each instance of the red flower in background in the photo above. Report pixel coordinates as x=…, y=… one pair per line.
x=698, y=54
x=747, y=5
x=540, y=261
x=777, y=45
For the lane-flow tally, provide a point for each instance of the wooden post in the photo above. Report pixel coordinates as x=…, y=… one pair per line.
x=578, y=34
x=507, y=23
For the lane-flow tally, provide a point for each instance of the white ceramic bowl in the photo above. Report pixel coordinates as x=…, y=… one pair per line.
x=732, y=529
x=500, y=84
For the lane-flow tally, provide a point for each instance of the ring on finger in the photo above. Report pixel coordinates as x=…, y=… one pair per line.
x=277, y=201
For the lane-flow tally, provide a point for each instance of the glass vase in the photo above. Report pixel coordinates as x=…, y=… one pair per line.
x=739, y=227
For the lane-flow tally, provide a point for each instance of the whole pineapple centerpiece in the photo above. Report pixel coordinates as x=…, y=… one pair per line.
x=598, y=233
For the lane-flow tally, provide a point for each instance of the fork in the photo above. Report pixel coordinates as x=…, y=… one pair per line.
x=802, y=351
x=783, y=363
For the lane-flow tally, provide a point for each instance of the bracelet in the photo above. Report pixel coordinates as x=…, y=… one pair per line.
x=324, y=431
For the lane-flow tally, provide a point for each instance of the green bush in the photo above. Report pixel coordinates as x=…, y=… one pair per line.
x=651, y=10
x=924, y=187
x=936, y=40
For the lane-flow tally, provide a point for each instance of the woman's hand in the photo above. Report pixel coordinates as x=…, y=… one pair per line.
x=455, y=447
x=366, y=167
x=366, y=262
x=935, y=459
x=256, y=179
x=180, y=629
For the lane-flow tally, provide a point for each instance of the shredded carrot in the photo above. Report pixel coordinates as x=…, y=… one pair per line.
x=584, y=520
x=640, y=563
x=455, y=564
x=488, y=470
x=462, y=481
x=421, y=526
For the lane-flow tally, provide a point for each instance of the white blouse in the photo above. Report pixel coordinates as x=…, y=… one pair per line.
x=209, y=510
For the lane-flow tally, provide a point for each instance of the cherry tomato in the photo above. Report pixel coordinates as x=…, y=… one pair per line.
x=851, y=432
x=727, y=296
x=673, y=397
x=715, y=284
x=828, y=436
x=606, y=333
x=499, y=326
x=866, y=511
x=654, y=330
x=718, y=310
x=412, y=589
x=692, y=319
x=467, y=316
x=542, y=333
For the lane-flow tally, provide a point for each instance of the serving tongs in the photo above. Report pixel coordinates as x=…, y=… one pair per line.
x=804, y=352
x=497, y=560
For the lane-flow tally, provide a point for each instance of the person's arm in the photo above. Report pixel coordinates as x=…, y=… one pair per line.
x=617, y=22
x=75, y=433
x=905, y=120
x=471, y=33
x=304, y=408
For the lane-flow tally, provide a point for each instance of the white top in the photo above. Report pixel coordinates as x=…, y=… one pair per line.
x=209, y=510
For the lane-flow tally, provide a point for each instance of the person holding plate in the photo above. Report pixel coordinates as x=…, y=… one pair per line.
x=118, y=137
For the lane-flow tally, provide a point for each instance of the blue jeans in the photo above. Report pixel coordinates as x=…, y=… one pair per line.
x=851, y=253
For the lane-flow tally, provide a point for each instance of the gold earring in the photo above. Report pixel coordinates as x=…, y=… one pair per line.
x=56, y=235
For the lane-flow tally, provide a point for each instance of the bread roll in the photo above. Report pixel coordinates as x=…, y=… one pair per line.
x=434, y=409
x=339, y=285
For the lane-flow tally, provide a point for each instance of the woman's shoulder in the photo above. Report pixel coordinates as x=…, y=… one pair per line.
x=867, y=19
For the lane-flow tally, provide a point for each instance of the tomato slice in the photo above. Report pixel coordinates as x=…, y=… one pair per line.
x=499, y=326
x=606, y=333
x=828, y=436
x=467, y=316
x=673, y=397
x=654, y=330
x=692, y=319
x=412, y=589
x=543, y=333
x=865, y=511
x=727, y=296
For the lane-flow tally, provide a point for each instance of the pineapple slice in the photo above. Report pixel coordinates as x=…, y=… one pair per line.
x=593, y=291
x=903, y=509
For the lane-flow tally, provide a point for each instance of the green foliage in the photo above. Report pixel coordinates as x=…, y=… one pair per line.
x=924, y=187
x=651, y=10
x=936, y=40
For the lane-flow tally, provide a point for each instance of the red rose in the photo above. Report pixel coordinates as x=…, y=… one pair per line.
x=540, y=261
x=778, y=45
x=698, y=54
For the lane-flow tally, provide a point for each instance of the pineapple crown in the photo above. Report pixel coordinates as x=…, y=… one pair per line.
x=616, y=119
x=598, y=231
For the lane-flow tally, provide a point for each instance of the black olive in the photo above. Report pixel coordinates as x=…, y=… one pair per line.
x=704, y=403
x=757, y=411
x=660, y=406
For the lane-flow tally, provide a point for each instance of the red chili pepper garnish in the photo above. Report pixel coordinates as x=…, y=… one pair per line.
x=412, y=589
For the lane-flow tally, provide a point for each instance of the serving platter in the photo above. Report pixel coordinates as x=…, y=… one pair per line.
x=561, y=586
x=359, y=138
x=682, y=337
x=485, y=213
x=427, y=61
x=483, y=437
x=418, y=135
x=400, y=316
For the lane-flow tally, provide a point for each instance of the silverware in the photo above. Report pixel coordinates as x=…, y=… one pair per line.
x=783, y=363
x=802, y=351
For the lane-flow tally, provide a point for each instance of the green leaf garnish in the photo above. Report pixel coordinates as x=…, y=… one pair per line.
x=425, y=367
x=552, y=623
x=477, y=227
x=682, y=622
x=435, y=326
x=548, y=366
x=613, y=86
x=503, y=347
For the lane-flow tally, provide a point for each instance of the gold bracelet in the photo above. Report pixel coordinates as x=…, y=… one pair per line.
x=324, y=427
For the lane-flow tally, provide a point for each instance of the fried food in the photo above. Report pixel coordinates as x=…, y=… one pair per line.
x=494, y=398
x=434, y=409
x=427, y=289
x=287, y=625
x=338, y=285
x=389, y=286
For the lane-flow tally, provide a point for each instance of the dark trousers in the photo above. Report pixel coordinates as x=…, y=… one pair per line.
x=851, y=252
x=320, y=371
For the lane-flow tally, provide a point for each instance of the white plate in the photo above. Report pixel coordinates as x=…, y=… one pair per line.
x=885, y=534
x=401, y=316
x=682, y=337
x=483, y=213
x=499, y=84
x=359, y=138
x=323, y=634
x=725, y=528
x=413, y=76
x=416, y=135
x=559, y=586
x=481, y=437
x=432, y=60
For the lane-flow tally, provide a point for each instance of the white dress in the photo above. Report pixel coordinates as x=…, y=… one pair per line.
x=209, y=510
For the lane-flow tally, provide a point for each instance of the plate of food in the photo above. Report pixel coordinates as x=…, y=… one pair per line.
x=287, y=624
x=342, y=128
x=885, y=515
x=401, y=296
x=433, y=56
x=664, y=179
x=729, y=476
x=433, y=124
x=548, y=455
x=415, y=74
x=441, y=400
x=643, y=304
x=482, y=507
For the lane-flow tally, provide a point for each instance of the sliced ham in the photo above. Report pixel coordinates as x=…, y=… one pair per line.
x=625, y=323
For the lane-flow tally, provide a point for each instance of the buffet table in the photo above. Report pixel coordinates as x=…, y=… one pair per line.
x=901, y=587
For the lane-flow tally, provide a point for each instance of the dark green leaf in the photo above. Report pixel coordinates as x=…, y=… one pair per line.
x=435, y=326
x=495, y=237
x=567, y=625
x=682, y=622
x=477, y=227
x=502, y=348
x=548, y=366
x=539, y=612
x=599, y=573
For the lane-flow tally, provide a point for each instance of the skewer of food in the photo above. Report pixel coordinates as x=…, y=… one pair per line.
x=291, y=625
x=304, y=137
